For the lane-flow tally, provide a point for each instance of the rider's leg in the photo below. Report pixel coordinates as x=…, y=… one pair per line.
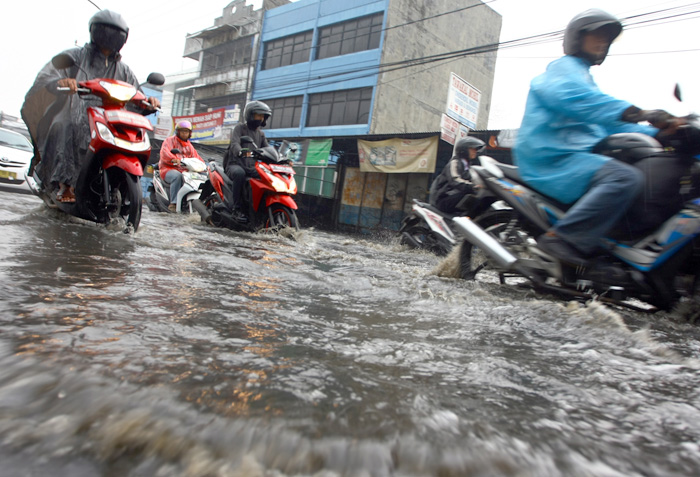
x=174, y=179
x=237, y=175
x=613, y=188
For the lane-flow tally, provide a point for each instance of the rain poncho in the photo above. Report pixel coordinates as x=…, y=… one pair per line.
x=565, y=117
x=58, y=123
x=234, y=149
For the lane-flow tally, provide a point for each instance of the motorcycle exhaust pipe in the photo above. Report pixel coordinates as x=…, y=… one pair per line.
x=477, y=236
x=202, y=210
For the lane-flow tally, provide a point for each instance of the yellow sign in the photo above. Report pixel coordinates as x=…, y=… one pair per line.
x=398, y=155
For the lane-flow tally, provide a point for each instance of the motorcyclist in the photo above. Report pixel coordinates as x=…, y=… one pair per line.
x=452, y=188
x=566, y=115
x=239, y=164
x=169, y=164
x=58, y=123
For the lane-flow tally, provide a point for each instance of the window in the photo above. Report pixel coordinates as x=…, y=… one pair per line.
x=339, y=107
x=287, y=51
x=217, y=60
x=182, y=103
x=286, y=112
x=349, y=37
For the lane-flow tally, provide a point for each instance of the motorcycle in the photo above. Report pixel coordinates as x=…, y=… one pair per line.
x=658, y=265
x=192, y=180
x=108, y=185
x=268, y=201
x=428, y=228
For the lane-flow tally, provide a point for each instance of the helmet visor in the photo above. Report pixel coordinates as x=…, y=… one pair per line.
x=108, y=37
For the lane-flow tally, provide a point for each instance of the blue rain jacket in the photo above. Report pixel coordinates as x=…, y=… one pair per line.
x=566, y=115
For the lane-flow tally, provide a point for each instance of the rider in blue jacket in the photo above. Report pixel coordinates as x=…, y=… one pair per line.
x=566, y=115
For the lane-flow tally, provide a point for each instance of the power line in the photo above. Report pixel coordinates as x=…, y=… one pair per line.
x=301, y=82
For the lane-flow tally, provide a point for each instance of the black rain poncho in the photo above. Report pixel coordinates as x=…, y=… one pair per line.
x=58, y=123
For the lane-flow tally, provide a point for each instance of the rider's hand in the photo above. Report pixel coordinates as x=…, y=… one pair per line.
x=671, y=127
x=68, y=83
x=154, y=102
x=659, y=118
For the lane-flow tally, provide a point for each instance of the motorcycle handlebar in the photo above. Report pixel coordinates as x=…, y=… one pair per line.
x=79, y=90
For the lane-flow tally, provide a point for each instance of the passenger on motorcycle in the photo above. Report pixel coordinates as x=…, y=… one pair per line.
x=452, y=188
x=240, y=165
x=170, y=167
x=566, y=115
x=58, y=124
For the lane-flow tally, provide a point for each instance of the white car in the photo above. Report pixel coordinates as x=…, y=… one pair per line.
x=15, y=155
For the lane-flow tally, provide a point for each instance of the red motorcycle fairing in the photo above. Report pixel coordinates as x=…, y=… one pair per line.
x=217, y=182
x=262, y=190
x=130, y=164
x=281, y=199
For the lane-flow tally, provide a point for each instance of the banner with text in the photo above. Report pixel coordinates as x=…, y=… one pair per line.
x=463, y=101
x=451, y=130
x=205, y=126
x=398, y=155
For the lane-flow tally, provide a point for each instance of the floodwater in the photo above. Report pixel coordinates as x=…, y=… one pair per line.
x=185, y=350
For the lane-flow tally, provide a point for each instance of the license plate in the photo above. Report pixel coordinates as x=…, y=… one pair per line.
x=8, y=175
x=281, y=169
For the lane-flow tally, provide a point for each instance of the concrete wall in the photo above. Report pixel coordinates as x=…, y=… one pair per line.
x=413, y=99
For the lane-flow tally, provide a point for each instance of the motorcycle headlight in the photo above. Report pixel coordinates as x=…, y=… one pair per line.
x=119, y=92
x=105, y=133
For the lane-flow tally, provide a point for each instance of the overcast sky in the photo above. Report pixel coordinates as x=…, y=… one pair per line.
x=643, y=66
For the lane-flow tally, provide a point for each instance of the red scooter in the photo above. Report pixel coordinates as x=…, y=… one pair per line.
x=108, y=185
x=268, y=202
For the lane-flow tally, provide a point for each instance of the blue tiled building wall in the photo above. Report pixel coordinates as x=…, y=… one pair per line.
x=355, y=70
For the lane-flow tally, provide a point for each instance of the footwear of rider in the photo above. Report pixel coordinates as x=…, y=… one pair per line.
x=66, y=195
x=558, y=248
x=172, y=207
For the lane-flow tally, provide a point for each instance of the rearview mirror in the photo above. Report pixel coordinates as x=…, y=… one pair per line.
x=677, y=92
x=156, y=79
x=175, y=151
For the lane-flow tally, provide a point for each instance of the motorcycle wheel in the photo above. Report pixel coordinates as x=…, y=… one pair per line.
x=282, y=216
x=471, y=258
x=420, y=237
x=153, y=205
x=126, y=196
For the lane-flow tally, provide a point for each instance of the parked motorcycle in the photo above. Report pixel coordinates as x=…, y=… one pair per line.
x=268, y=201
x=192, y=180
x=428, y=228
x=658, y=266
x=108, y=185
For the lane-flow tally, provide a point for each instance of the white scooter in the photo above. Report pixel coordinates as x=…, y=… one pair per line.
x=192, y=180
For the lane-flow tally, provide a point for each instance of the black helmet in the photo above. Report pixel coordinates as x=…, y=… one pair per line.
x=108, y=30
x=463, y=145
x=256, y=107
x=585, y=22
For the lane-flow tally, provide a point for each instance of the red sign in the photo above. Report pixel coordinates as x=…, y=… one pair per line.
x=205, y=126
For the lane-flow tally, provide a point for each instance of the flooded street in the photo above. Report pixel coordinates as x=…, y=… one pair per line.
x=185, y=350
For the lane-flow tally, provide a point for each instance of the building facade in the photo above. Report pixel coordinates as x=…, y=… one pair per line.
x=338, y=71
x=353, y=67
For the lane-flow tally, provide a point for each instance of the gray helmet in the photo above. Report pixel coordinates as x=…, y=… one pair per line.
x=256, y=107
x=585, y=22
x=463, y=145
x=108, y=30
